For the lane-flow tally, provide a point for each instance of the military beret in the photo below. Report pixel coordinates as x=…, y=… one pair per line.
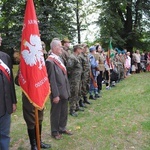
x=92, y=48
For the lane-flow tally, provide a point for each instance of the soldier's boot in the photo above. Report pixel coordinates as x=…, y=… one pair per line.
x=97, y=95
x=43, y=145
x=73, y=113
x=81, y=104
x=99, y=91
x=85, y=100
x=79, y=109
x=92, y=97
x=31, y=133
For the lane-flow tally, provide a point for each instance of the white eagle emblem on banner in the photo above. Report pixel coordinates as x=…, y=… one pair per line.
x=35, y=53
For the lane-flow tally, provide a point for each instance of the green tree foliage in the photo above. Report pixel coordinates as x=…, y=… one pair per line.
x=11, y=17
x=81, y=10
x=55, y=19
x=54, y=16
x=124, y=21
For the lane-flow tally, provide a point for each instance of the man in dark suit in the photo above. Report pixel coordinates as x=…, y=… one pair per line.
x=7, y=98
x=60, y=90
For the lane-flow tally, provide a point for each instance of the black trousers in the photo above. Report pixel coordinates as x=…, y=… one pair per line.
x=99, y=80
x=107, y=77
x=59, y=116
x=138, y=68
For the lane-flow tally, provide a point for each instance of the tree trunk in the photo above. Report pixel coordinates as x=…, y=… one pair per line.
x=128, y=27
x=78, y=22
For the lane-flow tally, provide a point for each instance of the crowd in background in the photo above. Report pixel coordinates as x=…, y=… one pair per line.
x=75, y=76
x=90, y=67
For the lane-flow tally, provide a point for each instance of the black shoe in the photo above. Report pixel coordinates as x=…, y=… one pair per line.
x=31, y=133
x=97, y=96
x=81, y=104
x=86, y=100
x=45, y=146
x=92, y=97
x=79, y=109
x=42, y=145
x=74, y=114
x=99, y=91
x=34, y=147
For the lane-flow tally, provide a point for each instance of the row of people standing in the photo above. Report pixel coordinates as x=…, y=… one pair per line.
x=72, y=77
x=83, y=73
x=140, y=62
x=78, y=74
x=148, y=61
x=60, y=92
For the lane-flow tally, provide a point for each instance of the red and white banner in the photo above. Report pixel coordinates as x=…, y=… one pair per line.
x=33, y=77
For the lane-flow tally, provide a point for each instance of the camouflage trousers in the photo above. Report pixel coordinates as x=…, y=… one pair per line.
x=74, y=98
x=120, y=72
x=85, y=83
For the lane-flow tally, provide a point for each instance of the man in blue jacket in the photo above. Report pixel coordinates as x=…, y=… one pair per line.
x=93, y=74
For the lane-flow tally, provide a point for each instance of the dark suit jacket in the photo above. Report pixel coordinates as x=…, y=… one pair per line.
x=58, y=81
x=7, y=90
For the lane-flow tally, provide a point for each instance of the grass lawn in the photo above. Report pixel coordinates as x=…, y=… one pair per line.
x=120, y=120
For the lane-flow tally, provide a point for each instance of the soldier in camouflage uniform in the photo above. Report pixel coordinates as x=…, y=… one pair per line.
x=85, y=77
x=74, y=69
x=65, y=51
x=122, y=59
x=120, y=66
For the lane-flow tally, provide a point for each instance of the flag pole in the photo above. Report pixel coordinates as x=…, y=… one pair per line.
x=37, y=129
